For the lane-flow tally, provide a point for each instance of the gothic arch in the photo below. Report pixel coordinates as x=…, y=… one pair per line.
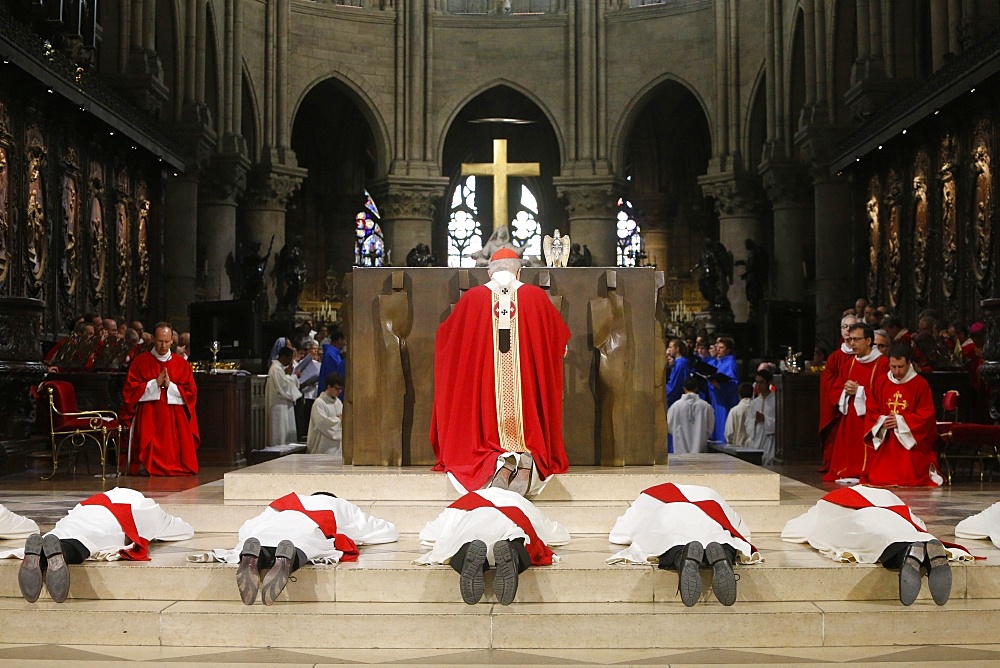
x=755, y=122
x=250, y=126
x=795, y=80
x=355, y=86
x=632, y=111
x=214, y=94
x=169, y=46
x=449, y=122
x=842, y=41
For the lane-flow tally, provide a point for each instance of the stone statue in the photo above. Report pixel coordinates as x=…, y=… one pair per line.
x=252, y=265
x=580, y=258
x=756, y=273
x=421, y=256
x=499, y=239
x=291, y=272
x=556, y=249
x=716, y=265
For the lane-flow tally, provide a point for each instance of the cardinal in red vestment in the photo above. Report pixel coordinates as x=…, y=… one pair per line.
x=498, y=383
x=853, y=401
x=831, y=382
x=160, y=396
x=901, y=427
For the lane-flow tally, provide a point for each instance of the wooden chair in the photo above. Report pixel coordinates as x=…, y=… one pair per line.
x=958, y=441
x=73, y=428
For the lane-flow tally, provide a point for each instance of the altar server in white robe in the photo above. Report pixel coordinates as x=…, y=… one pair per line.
x=869, y=525
x=740, y=418
x=325, y=419
x=690, y=420
x=761, y=418
x=981, y=526
x=280, y=394
x=117, y=524
x=293, y=531
x=491, y=527
x=682, y=528
x=14, y=526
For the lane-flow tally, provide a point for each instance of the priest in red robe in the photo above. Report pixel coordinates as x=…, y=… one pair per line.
x=498, y=383
x=831, y=383
x=902, y=427
x=160, y=396
x=855, y=398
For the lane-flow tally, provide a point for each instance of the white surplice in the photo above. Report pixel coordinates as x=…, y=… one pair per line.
x=280, y=395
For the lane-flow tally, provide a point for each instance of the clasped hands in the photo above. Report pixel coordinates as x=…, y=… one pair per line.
x=851, y=387
x=163, y=380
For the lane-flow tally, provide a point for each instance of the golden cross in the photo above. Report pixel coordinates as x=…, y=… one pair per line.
x=897, y=403
x=500, y=169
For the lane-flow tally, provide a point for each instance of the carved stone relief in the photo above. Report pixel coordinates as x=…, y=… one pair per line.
x=893, y=204
x=983, y=211
x=37, y=232
x=142, y=210
x=5, y=243
x=124, y=242
x=98, y=236
x=921, y=226
x=873, y=217
x=949, y=222
x=70, y=214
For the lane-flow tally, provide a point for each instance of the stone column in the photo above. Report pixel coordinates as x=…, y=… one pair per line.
x=738, y=202
x=789, y=187
x=832, y=196
x=262, y=214
x=179, y=256
x=221, y=184
x=590, y=209
x=407, y=209
x=651, y=211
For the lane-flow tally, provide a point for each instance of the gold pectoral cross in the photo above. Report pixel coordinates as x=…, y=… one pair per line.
x=500, y=169
x=897, y=403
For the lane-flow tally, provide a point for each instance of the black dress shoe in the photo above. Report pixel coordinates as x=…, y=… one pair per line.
x=723, y=578
x=938, y=572
x=505, y=581
x=29, y=577
x=909, y=574
x=276, y=579
x=57, y=572
x=688, y=575
x=248, y=573
x=471, y=582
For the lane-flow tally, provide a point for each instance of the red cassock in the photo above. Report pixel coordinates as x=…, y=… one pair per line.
x=830, y=385
x=848, y=457
x=164, y=436
x=891, y=463
x=464, y=430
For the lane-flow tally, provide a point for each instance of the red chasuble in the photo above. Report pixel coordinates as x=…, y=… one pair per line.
x=848, y=457
x=164, y=437
x=464, y=431
x=830, y=385
x=892, y=463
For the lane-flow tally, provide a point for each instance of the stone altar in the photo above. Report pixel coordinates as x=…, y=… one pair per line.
x=381, y=347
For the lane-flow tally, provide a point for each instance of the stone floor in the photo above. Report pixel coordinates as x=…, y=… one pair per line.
x=832, y=592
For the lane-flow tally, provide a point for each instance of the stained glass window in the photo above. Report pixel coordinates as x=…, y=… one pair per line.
x=525, y=227
x=629, y=241
x=465, y=234
x=369, y=244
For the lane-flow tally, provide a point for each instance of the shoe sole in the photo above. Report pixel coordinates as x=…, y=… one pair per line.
x=57, y=572
x=520, y=483
x=909, y=581
x=689, y=576
x=29, y=576
x=939, y=573
x=723, y=578
x=505, y=580
x=277, y=577
x=471, y=582
x=247, y=573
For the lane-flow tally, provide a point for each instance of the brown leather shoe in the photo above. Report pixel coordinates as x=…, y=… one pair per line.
x=57, y=572
x=30, y=575
x=276, y=578
x=248, y=573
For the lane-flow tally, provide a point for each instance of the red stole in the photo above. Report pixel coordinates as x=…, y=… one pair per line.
x=326, y=520
x=848, y=497
x=539, y=552
x=668, y=492
x=123, y=514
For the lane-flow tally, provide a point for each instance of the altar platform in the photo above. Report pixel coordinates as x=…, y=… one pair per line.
x=796, y=607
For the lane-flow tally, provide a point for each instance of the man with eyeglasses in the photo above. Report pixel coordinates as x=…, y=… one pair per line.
x=882, y=341
x=855, y=398
x=829, y=390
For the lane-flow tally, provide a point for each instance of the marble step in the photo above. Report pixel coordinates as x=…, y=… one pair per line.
x=734, y=479
x=579, y=517
x=524, y=626
x=385, y=574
